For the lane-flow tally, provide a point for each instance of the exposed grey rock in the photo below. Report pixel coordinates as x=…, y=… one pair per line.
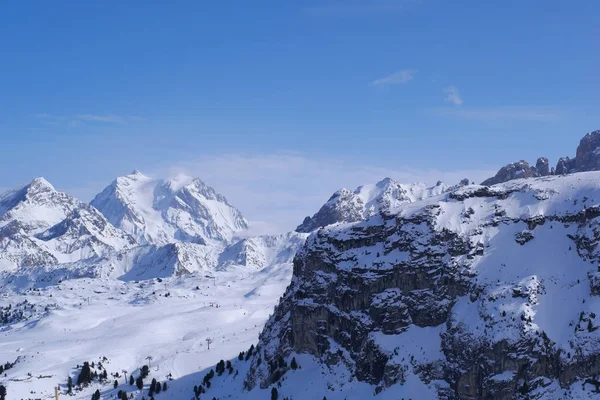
x=516, y=170
x=565, y=165
x=342, y=206
x=588, y=153
x=542, y=166
x=587, y=159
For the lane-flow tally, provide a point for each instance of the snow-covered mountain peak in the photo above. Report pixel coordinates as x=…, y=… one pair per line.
x=368, y=200
x=40, y=184
x=166, y=211
x=36, y=206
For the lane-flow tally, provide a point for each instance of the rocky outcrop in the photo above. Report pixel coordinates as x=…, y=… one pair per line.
x=516, y=170
x=587, y=159
x=542, y=166
x=588, y=153
x=564, y=166
x=342, y=206
x=470, y=274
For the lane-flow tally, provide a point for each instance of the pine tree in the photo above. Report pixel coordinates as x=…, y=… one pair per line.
x=294, y=364
x=145, y=371
x=124, y=395
x=164, y=387
x=69, y=385
x=116, y=384
x=139, y=382
x=153, y=385
x=131, y=380
x=2, y=392
x=85, y=376
x=281, y=362
x=220, y=368
x=249, y=353
x=274, y=394
x=96, y=395
x=158, y=388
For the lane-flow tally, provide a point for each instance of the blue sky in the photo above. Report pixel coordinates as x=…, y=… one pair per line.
x=352, y=89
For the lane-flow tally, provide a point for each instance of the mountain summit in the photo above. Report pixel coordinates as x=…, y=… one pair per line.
x=166, y=211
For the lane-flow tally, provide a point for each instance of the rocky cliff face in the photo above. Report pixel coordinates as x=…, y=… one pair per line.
x=587, y=159
x=476, y=293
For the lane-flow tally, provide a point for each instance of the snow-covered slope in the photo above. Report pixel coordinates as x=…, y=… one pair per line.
x=160, y=212
x=368, y=200
x=261, y=251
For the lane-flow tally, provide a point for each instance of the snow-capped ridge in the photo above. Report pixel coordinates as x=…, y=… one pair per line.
x=369, y=199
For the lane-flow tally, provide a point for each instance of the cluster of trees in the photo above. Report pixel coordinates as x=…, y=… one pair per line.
x=221, y=366
x=198, y=390
x=20, y=312
x=208, y=377
x=6, y=366
x=87, y=375
x=156, y=387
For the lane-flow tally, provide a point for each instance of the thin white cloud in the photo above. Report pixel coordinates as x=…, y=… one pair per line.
x=75, y=120
x=504, y=113
x=111, y=119
x=276, y=191
x=453, y=96
x=398, y=77
x=353, y=8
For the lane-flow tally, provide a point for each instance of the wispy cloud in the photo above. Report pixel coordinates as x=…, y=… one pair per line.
x=276, y=191
x=453, y=96
x=75, y=120
x=504, y=113
x=350, y=8
x=398, y=77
